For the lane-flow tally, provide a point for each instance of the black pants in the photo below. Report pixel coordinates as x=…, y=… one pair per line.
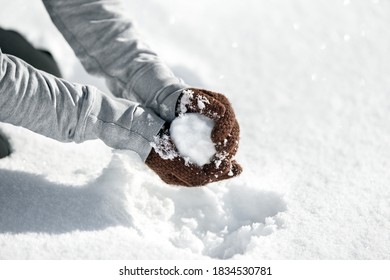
x=15, y=44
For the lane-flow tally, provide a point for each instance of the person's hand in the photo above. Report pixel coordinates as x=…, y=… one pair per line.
x=165, y=160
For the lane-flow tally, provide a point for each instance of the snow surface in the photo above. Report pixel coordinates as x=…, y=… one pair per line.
x=191, y=134
x=310, y=84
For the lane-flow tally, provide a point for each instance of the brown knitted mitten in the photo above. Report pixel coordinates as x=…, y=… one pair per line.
x=165, y=160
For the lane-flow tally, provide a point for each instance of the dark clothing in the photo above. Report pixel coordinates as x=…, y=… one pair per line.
x=4, y=147
x=15, y=44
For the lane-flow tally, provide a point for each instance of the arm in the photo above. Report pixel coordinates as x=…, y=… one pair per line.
x=70, y=112
x=108, y=45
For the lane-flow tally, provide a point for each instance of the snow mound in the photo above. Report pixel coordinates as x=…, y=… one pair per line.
x=218, y=221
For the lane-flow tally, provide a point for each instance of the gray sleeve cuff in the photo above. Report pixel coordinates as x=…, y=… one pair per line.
x=121, y=124
x=167, y=108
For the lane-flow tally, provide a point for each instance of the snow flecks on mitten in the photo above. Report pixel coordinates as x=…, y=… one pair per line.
x=201, y=102
x=219, y=158
x=185, y=101
x=193, y=102
x=164, y=147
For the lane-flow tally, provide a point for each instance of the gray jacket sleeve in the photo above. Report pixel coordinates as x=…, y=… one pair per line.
x=66, y=112
x=107, y=45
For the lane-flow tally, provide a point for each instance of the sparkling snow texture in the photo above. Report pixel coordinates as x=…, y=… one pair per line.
x=310, y=84
x=191, y=134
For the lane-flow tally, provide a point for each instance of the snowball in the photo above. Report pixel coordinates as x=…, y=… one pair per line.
x=191, y=134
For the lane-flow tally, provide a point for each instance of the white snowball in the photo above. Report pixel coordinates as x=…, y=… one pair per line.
x=191, y=134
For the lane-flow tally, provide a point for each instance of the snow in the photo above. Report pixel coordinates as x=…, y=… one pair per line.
x=164, y=147
x=309, y=82
x=186, y=100
x=191, y=134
